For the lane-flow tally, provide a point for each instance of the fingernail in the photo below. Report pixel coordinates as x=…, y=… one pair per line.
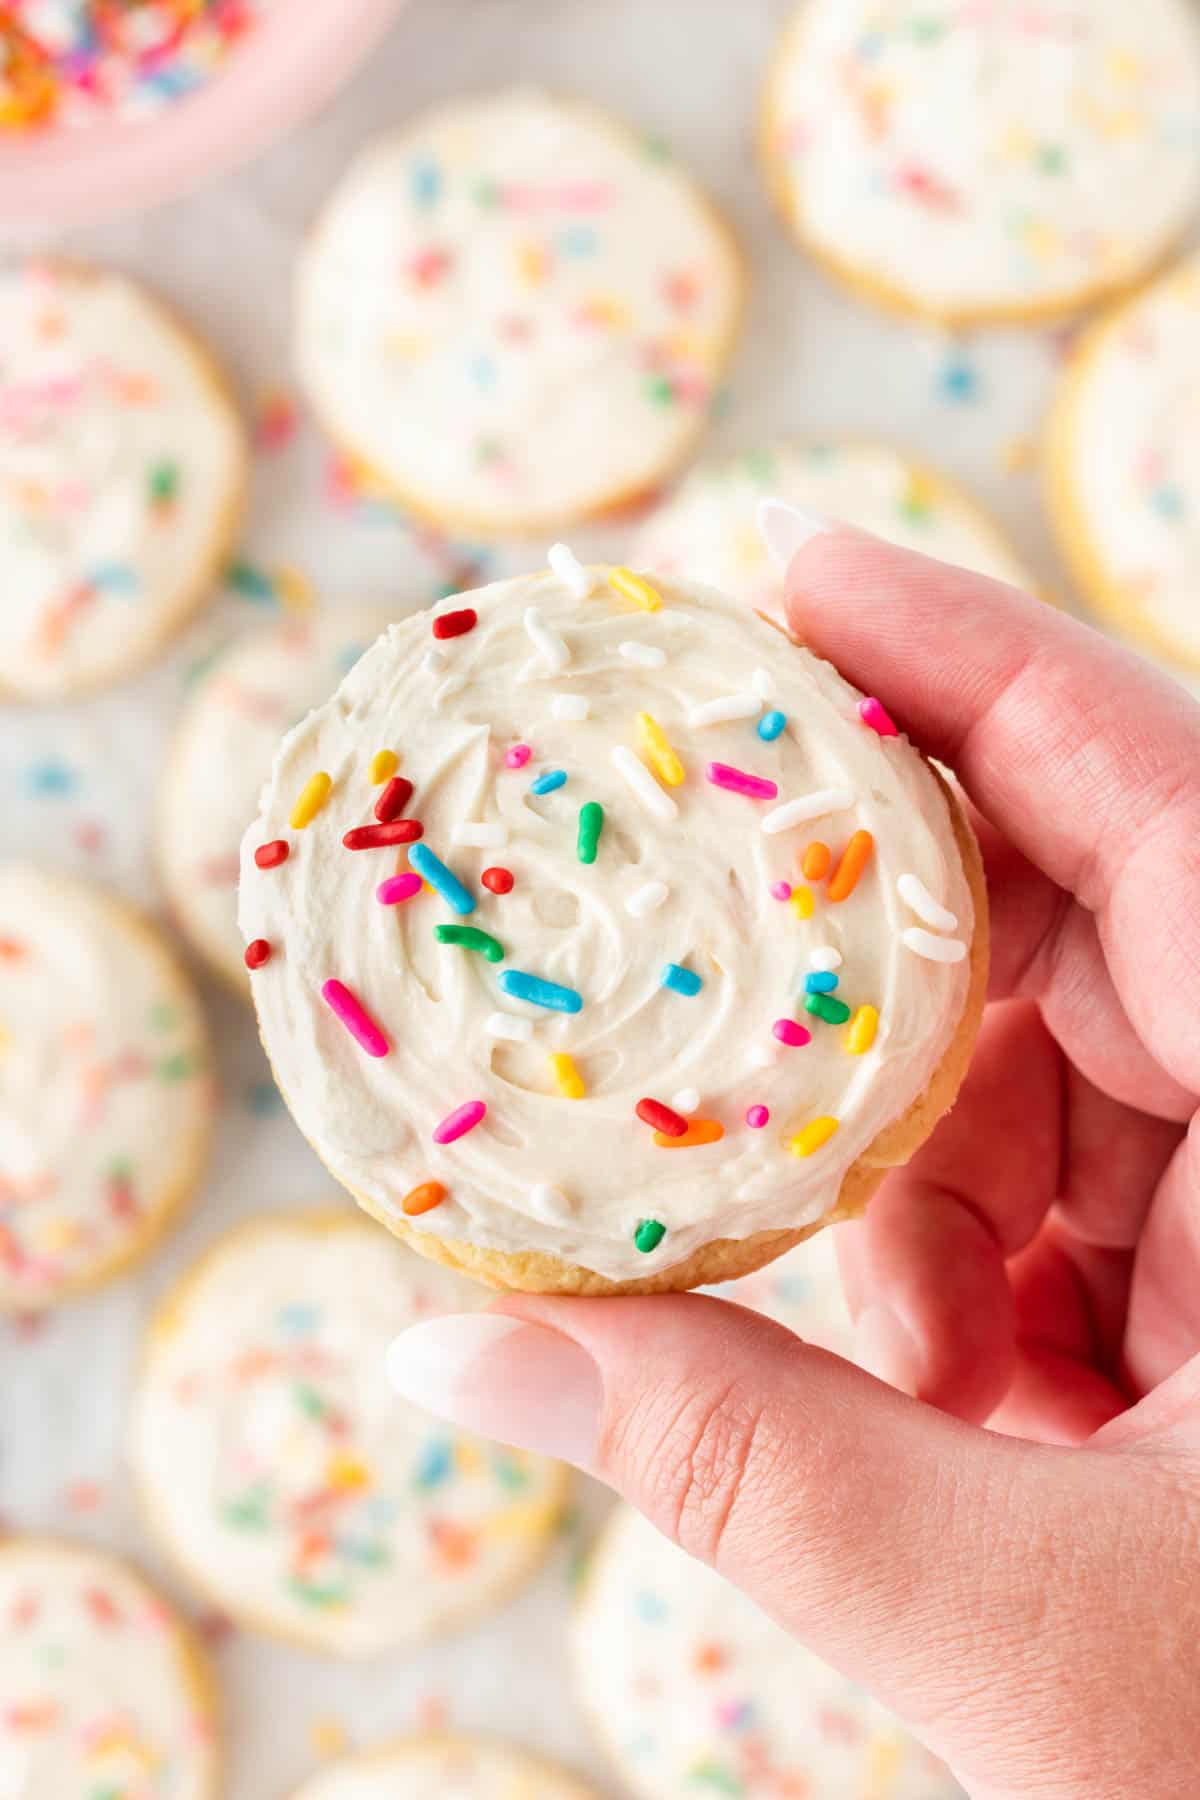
x=786, y=529
x=518, y=1383
x=887, y=1349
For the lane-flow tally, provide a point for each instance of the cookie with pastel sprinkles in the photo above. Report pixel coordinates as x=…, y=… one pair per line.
x=801, y=1291
x=706, y=530
x=515, y=311
x=104, y=1692
x=994, y=162
x=1123, y=466
x=280, y=1471
x=106, y=1091
x=661, y=946
x=122, y=468
x=443, y=1768
x=221, y=755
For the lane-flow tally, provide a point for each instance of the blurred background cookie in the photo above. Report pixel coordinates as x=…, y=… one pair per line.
x=443, y=1768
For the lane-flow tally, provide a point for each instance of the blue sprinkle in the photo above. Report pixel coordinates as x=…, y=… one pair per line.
x=435, y=1464
x=1168, y=501
x=298, y=1317
x=958, y=380
x=51, y=776
x=538, y=992
x=578, y=240
x=426, y=182
x=114, y=577
x=546, y=784
x=432, y=869
x=770, y=726
x=649, y=1606
x=823, y=982
x=482, y=370
x=263, y=1099
x=681, y=980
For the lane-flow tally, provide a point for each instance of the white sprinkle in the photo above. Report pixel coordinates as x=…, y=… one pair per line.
x=507, y=1025
x=686, y=1100
x=811, y=806
x=646, y=899
x=730, y=706
x=569, y=706
x=570, y=570
x=763, y=683
x=825, y=958
x=547, y=643
x=649, y=655
x=639, y=778
x=914, y=893
x=933, y=949
x=764, y=1056
x=481, y=837
x=550, y=1201
x=432, y=662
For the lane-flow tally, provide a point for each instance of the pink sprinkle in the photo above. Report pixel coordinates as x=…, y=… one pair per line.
x=738, y=782
x=789, y=1032
x=457, y=1124
x=398, y=887
x=355, y=1018
x=781, y=890
x=518, y=756
x=757, y=1117
x=872, y=713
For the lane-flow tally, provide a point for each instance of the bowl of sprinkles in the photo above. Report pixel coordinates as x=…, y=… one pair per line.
x=107, y=105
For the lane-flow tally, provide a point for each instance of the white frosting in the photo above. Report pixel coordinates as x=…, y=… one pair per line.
x=802, y=1291
x=284, y=1473
x=121, y=462
x=692, y=888
x=105, y=1091
x=706, y=530
x=515, y=310
x=694, y=1690
x=222, y=754
x=1130, y=458
x=998, y=155
x=97, y=1697
x=442, y=1769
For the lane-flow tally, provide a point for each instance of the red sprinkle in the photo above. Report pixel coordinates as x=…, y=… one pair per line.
x=257, y=953
x=378, y=837
x=653, y=1112
x=269, y=856
x=455, y=624
x=393, y=800
x=499, y=881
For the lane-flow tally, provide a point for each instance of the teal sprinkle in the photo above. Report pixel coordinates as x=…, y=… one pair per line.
x=367, y=1553
x=263, y=1099
x=822, y=981
x=435, y=1464
x=114, y=578
x=771, y=726
x=51, y=776
x=482, y=370
x=681, y=981
x=250, y=582
x=1168, y=501
x=958, y=381
x=579, y=240
x=650, y=1607
x=509, y=1471
x=547, y=783
x=649, y=1235
x=298, y=1319
x=425, y=184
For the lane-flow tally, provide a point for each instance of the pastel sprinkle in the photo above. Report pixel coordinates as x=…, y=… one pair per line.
x=810, y=806
x=763, y=683
x=646, y=899
x=523, y=986
x=738, y=781
x=821, y=981
x=686, y=1100
x=549, y=646
x=648, y=655
x=872, y=713
x=914, y=893
x=508, y=1026
x=355, y=1018
x=729, y=706
x=802, y=902
x=569, y=706
x=662, y=1118
x=591, y=824
x=824, y=1006
x=497, y=880
x=422, y=1199
x=816, y=861
x=813, y=1135
x=771, y=726
x=634, y=588
x=757, y=1117
x=393, y=800
x=269, y=856
x=854, y=859
x=681, y=980
x=824, y=957
x=861, y=1034
x=655, y=746
x=781, y=890
x=456, y=1124
x=433, y=662
x=381, y=837
x=567, y=1078
x=933, y=949
x=570, y=571
x=517, y=756
x=649, y=1235
x=480, y=836
x=384, y=764
x=397, y=888
x=549, y=782
x=455, y=624
x=699, y=1131
x=469, y=937
x=257, y=953
x=313, y=796
x=791, y=1033
x=635, y=773
x=433, y=870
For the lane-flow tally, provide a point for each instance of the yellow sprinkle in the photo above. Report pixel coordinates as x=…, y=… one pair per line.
x=814, y=1134
x=567, y=1076
x=294, y=588
x=635, y=589
x=525, y=1519
x=468, y=1458
x=654, y=744
x=532, y=263
x=1018, y=455
x=384, y=764
x=313, y=796
x=860, y=1033
x=327, y=1737
x=348, y=1473
x=58, y=1234
x=802, y=902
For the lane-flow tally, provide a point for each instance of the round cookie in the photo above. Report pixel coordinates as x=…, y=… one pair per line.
x=280, y=1470
x=1123, y=466
x=515, y=312
x=122, y=466
x=221, y=755
x=611, y=795
x=692, y=1689
x=106, y=1097
x=989, y=162
x=706, y=530
x=104, y=1693
x=443, y=1768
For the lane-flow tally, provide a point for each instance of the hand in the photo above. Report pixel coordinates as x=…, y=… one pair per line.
x=1029, y=1605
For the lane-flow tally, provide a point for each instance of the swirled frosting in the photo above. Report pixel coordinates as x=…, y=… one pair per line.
x=677, y=972
x=443, y=1769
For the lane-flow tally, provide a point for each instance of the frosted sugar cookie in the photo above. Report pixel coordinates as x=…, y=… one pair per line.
x=105, y=1093
x=282, y=1473
x=661, y=947
x=705, y=530
x=443, y=1768
x=1123, y=466
x=221, y=756
x=122, y=465
x=515, y=311
x=104, y=1693
x=693, y=1690
x=1002, y=161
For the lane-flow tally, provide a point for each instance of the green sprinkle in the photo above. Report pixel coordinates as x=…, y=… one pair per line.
x=649, y=1235
x=178, y=1067
x=311, y=1593
x=1051, y=159
x=591, y=824
x=660, y=390
x=164, y=483
x=834, y=1012
x=309, y=1400
x=245, y=579
x=471, y=938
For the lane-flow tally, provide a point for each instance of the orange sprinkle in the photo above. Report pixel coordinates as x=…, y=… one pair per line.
x=328, y=1737
x=699, y=1131
x=423, y=1199
x=855, y=858
x=709, y=1658
x=815, y=862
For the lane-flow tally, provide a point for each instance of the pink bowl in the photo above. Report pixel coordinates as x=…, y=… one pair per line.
x=298, y=53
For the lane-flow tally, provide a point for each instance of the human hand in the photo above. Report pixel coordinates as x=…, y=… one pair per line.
x=1029, y=1604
